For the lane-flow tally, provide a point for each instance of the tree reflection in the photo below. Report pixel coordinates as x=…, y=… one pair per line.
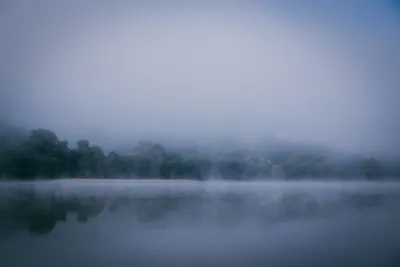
x=39, y=213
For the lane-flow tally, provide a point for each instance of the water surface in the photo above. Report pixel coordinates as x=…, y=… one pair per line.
x=184, y=223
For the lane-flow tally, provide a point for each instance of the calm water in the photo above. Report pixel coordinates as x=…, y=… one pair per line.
x=71, y=223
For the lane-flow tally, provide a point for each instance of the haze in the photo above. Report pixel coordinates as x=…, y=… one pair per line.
x=139, y=223
x=323, y=72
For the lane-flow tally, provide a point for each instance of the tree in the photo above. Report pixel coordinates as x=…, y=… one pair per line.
x=40, y=154
x=21, y=163
x=143, y=166
x=201, y=167
x=151, y=150
x=42, y=141
x=258, y=167
x=172, y=166
x=371, y=168
x=90, y=160
x=277, y=171
x=149, y=157
x=231, y=169
x=119, y=165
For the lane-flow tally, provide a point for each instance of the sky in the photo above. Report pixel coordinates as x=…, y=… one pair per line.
x=313, y=71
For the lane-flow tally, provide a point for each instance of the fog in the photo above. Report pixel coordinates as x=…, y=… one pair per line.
x=71, y=223
x=323, y=72
x=116, y=72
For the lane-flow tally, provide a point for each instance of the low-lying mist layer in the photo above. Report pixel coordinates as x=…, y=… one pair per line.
x=180, y=223
x=39, y=207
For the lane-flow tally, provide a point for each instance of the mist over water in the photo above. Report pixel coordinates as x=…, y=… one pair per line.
x=155, y=223
x=239, y=90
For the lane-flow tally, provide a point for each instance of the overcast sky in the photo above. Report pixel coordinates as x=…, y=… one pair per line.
x=323, y=71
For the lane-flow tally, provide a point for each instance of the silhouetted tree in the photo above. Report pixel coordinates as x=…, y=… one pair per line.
x=40, y=154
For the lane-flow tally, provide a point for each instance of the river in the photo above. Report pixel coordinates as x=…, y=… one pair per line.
x=186, y=223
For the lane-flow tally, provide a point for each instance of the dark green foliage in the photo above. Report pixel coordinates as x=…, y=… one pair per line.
x=231, y=169
x=370, y=168
x=143, y=166
x=40, y=154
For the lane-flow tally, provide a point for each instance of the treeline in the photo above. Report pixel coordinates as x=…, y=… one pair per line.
x=41, y=154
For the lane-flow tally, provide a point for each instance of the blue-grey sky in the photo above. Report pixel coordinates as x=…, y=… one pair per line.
x=323, y=71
